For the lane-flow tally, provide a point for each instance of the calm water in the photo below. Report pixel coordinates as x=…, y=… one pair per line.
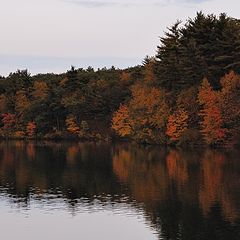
x=117, y=192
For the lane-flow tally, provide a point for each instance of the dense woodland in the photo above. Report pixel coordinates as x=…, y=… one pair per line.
x=188, y=93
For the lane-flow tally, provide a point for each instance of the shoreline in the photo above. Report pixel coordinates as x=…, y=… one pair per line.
x=120, y=141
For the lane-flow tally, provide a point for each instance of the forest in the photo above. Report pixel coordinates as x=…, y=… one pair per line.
x=187, y=94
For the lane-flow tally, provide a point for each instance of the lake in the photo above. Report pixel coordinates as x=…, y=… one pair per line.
x=117, y=192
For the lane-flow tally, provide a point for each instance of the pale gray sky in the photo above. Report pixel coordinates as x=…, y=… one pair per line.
x=51, y=35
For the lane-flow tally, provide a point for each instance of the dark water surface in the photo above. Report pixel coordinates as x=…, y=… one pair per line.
x=91, y=191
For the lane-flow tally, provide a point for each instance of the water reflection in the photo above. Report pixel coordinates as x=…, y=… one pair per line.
x=177, y=194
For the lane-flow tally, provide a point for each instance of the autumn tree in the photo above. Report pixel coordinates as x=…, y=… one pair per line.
x=22, y=102
x=230, y=105
x=149, y=71
x=145, y=117
x=212, y=122
x=31, y=129
x=150, y=110
x=71, y=124
x=122, y=122
x=9, y=123
x=40, y=90
x=187, y=100
x=177, y=124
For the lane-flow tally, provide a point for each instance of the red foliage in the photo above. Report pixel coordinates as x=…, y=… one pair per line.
x=9, y=121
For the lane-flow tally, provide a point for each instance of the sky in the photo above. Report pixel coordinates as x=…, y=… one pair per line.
x=51, y=35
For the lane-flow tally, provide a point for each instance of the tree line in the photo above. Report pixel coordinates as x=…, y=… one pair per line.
x=188, y=93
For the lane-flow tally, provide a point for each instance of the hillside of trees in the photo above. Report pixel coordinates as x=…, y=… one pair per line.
x=188, y=93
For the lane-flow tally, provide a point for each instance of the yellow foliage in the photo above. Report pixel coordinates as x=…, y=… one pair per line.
x=22, y=102
x=230, y=82
x=40, y=90
x=149, y=106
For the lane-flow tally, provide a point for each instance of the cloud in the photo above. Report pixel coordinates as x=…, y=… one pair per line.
x=103, y=4
x=163, y=3
x=92, y=4
x=156, y=3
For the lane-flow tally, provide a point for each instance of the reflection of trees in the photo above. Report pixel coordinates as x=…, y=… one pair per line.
x=219, y=183
x=177, y=188
x=76, y=170
x=185, y=194
x=212, y=178
x=143, y=172
x=177, y=167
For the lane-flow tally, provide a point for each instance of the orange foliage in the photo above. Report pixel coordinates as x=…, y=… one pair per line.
x=212, y=123
x=151, y=101
x=149, y=111
x=230, y=82
x=230, y=104
x=149, y=75
x=31, y=129
x=177, y=124
x=144, y=118
x=187, y=100
x=71, y=124
x=122, y=122
x=19, y=134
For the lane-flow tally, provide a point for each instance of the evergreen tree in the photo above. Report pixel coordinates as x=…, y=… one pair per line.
x=206, y=46
x=168, y=59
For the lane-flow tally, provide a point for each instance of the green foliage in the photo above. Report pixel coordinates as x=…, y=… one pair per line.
x=155, y=102
x=206, y=46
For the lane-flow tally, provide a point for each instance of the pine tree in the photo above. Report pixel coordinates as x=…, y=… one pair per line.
x=168, y=59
